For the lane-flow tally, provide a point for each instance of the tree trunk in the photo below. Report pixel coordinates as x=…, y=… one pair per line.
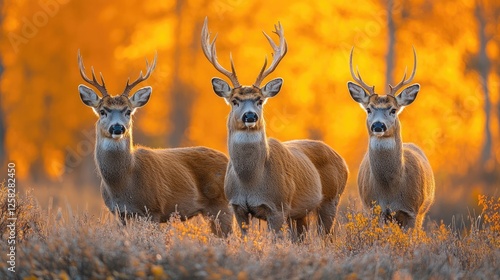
x=484, y=69
x=181, y=93
x=391, y=29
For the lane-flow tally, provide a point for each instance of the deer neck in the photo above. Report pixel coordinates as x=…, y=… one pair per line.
x=248, y=152
x=114, y=159
x=386, y=157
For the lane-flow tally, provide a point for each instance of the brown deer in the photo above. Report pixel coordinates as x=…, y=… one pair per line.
x=268, y=179
x=395, y=175
x=152, y=182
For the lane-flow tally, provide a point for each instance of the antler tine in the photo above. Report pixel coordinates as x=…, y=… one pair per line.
x=211, y=54
x=94, y=82
x=358, y=79
x=394, y=89
x=279, y=53
x=141, y=78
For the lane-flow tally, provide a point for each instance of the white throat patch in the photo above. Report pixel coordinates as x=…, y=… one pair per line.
x=246, y=137
x=382, y=143
x=113, y=145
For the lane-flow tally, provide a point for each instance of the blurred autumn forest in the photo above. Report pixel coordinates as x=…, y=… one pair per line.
x=48, y=132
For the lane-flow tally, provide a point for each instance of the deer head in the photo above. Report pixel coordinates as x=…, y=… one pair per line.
x=114, y=112
x=246, y=101
x=383, y=110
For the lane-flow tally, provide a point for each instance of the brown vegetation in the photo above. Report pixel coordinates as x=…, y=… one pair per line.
x=45, y=130
x=98, y=247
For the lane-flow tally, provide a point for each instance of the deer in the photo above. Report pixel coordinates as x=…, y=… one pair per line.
x=154, y=183
x=279, y=182
x=395, y=175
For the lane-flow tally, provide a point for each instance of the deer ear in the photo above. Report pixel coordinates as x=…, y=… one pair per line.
x=358, y=93
x=88, y=96
x=272, y=87
x=141, y=97
x=221, y=88
x=408, y=95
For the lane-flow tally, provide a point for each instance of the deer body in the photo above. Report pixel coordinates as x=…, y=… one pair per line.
x=400, y=180
x=268, y=179
x=273, y=181
x=152, y=182
x=151, y=188
x=395, y=175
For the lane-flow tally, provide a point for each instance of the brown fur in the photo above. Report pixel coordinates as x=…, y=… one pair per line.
x=266, y=178
x=160, y=182
x=277, y=181
x=399, y=179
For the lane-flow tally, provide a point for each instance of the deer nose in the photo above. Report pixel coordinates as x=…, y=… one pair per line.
x=250, y=117
x=117, y=129
x=379, y=127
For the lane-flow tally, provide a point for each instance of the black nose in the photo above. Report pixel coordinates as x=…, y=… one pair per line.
x=117, y=129
x=378, y=127
x=249, y=117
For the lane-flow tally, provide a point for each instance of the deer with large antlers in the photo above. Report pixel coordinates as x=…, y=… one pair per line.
x=395, y=175
x=152, y=182
x=267, y=179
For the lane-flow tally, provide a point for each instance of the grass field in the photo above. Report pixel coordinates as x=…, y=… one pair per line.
x=62, y=244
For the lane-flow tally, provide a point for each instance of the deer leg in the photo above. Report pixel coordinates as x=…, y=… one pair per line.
x=327, y=212
x=275, y=221
x=404, y=219
x=242, y=218
x=274, y=218
x=387, y=216
x=220, y=220
x=301, y=225
x=419, y=220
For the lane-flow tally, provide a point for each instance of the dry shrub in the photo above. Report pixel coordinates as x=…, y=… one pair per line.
x=27, y=214
x=365, y=230
x=79, y=246
x=491, y=218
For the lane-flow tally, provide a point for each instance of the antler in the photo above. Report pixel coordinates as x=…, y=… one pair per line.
x=279, y=53
x=404, y=82
x=211, y=54
x=141, y=78
x=94, y=82
x=358, y=79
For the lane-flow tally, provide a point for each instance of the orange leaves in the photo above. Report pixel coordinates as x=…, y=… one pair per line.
x=45, y=115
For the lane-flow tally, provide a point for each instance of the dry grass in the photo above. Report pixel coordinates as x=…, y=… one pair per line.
x=64, y=245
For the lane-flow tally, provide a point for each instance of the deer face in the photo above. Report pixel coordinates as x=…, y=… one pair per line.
x=114, y=112
x=246, y=102
x=382, y=110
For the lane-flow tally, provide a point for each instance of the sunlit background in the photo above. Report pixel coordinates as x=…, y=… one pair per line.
x=49, y=133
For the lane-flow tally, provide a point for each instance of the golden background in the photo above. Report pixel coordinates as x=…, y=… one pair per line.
x=49, y=133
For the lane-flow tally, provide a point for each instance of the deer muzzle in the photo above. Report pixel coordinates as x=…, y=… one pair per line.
x=250, y=119
x=378, y=127
x=117, y=130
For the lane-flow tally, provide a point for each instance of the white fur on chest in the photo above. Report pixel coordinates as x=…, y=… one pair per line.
x=377, y=143
x=242, y=137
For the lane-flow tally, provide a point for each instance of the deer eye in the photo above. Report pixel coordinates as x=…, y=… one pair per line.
x=260, y=102
x=128, y=113
x=103, y=113
x=393, y=111
x=368, y=110
x=235, y=102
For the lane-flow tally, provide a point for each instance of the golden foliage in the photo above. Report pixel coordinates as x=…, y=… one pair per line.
x=491, y=217
x=39, y=96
